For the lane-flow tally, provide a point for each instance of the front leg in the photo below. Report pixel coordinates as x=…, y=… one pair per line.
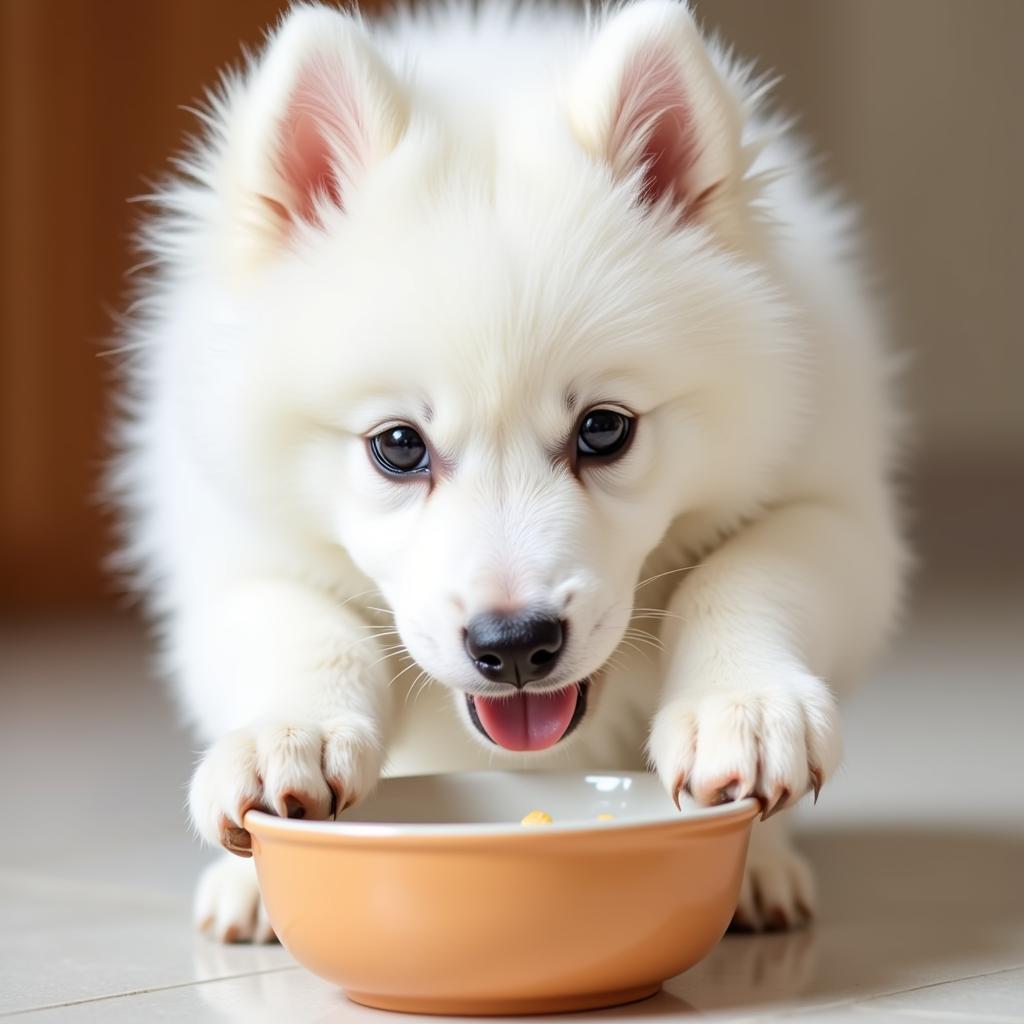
x=803, y=595
x=292, y=682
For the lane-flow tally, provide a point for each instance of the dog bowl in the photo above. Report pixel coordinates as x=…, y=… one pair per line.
x=432, y=897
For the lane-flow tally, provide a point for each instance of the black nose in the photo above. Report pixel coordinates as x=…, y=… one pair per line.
x=515, y=648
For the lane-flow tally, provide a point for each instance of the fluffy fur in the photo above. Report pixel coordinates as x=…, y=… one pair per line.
x=483, y=223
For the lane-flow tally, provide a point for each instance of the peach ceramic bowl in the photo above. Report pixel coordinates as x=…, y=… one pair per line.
x=431, y=897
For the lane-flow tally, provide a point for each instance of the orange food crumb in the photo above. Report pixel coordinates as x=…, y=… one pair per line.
x=537, y=818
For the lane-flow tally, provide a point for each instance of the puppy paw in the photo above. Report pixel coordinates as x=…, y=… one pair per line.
x=295, y=771
x=228, y=906
x=778, y=890
x=774, y=741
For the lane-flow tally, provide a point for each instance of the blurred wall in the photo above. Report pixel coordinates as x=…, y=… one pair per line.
x=914, y=106
x=92, y=96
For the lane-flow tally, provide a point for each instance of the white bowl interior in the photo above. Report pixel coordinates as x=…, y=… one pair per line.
x=506, y=797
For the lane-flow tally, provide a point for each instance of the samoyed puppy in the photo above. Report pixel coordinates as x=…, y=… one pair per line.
x=505, y=396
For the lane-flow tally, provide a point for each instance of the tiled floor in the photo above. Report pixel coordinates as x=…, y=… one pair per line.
x=919, y=847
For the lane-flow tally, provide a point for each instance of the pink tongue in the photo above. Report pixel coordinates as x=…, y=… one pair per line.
x=527, y=721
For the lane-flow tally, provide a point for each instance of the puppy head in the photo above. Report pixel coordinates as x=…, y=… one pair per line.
x=493, y=357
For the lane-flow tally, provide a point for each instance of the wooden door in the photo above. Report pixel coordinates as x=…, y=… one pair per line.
x=92, y=97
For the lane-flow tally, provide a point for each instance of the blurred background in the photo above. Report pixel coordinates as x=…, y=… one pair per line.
x=913, y=107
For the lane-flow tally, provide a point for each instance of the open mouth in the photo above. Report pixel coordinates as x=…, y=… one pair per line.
x=530, y=721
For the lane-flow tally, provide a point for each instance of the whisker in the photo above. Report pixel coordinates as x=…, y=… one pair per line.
x=638, y=650
x=661, y=575
x=362, y=640
x=412, y=687
x=643, y=632
x=423, y=680
x=390, y=652
x=647, y=648
x=655, y=614
x=644, y=638
x=395, y=678
x=362, y=593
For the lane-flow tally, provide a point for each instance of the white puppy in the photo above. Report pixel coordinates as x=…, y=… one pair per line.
x=515, y=350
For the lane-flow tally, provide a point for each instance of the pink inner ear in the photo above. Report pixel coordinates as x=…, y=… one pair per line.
x=653, y=127
x=321, y=141
x=307, y=166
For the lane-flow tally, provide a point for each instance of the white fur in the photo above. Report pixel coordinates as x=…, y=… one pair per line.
x=491, y=256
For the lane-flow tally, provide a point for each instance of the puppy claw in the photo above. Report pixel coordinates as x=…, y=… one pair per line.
x=234, y=839
x=289, y=770
x=757, y=736
x=816, y=781
x=775, y=805
x=337, y=799
x=681, y=784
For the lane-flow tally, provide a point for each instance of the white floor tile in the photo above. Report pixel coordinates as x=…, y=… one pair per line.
x=64, y=941
x=285, y=995
x=934, y=735
x=99, y=755
x=990, y=997
x=895, y=916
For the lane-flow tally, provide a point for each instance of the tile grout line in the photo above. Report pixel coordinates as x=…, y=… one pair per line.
x=145, y=991
x=950, y=981
x=954, y=1016
x=860, y=1001
x=855, y=1002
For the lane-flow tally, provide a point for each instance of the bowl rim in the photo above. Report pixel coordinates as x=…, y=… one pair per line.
x=299, y=828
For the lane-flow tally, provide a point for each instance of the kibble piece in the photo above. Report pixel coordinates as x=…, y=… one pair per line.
x=537, y=818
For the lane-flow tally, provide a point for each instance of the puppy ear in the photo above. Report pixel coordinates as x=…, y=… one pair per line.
x=647, y=99
x=319, y=110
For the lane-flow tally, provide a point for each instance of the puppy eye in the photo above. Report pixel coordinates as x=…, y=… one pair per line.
x=400, y=450
x=603, y=432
